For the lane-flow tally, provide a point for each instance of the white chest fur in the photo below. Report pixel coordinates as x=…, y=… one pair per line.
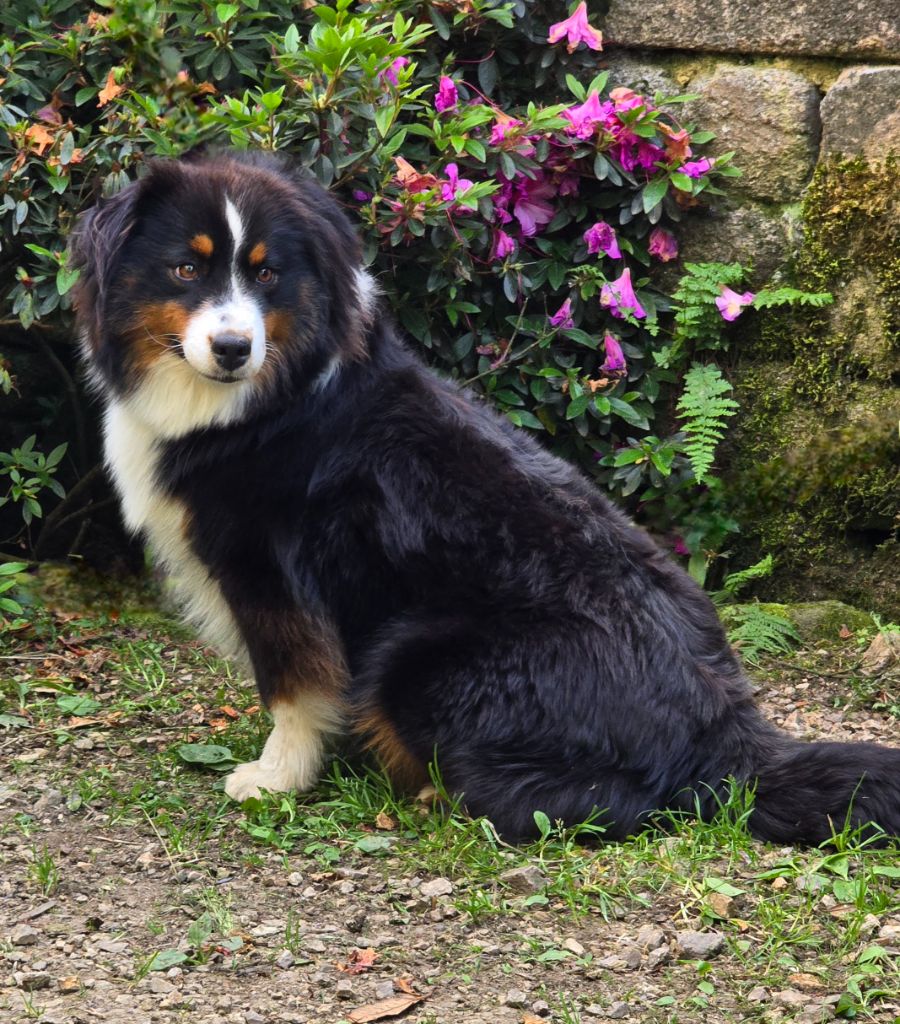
x=132, y=454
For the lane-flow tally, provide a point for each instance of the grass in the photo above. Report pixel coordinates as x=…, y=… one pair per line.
x=150, y=690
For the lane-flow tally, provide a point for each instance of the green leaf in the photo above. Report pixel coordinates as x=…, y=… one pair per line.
x=165, y=959
x=200, y=931
x=14, y=722
x=374, y=845
x=653, y=193
x=65, y=278
x=76, y=704
x=291, y=39
x=209, y=755
x=543, y=823
x=225, y=12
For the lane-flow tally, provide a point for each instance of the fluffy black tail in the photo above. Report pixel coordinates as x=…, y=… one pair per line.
x=806, y=791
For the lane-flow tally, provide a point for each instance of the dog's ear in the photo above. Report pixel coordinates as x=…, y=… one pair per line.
x=337, y=251
x=94, y=249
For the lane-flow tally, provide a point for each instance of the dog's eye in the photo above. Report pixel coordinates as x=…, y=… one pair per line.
x=265, y=275
x=186, y=272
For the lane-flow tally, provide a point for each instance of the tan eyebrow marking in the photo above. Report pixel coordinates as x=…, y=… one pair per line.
x=202, y=244
x=257, y=254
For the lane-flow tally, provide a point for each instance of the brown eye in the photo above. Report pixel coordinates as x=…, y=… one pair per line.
x=265, y=275
x=186, y=272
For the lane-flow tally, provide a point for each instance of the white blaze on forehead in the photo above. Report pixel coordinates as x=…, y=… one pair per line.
x=235, y=225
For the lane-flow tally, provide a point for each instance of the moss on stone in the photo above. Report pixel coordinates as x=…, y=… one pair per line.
x=815, y=455
x=816, y=621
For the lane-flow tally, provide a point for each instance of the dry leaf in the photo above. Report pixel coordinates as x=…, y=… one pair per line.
x=411, y=179
x=385, y=822
x=359, y=961
x=845, y=633
x=109, y=91
x=392, y=1007
x=38, y=138
x=404, y=985
x=76, y=722
x=806, y=982
x=228, y=710
x=219, y=724
x=529, y=1018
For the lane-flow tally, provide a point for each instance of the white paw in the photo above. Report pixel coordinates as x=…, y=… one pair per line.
x=248, y=779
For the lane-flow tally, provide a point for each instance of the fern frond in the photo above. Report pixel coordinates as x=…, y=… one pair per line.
x=756, y=631
x=736, y=581
x=704, y=411
x=791, y=297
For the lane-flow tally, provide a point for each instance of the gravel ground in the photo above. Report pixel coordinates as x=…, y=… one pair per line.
x=88, y=894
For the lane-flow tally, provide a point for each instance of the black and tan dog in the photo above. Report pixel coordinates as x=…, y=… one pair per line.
x=391, y=557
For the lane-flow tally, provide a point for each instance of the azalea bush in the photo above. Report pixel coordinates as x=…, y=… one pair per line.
x=518, y=242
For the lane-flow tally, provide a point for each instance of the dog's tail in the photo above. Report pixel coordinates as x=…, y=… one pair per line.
x=807, y=791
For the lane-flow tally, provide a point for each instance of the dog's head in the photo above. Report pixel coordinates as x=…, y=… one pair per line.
x=221, y=279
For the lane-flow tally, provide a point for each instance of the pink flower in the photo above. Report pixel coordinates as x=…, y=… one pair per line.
x=576, y=30
x=730, y=304
x=680, y=548
x=530, y=202
x=628, y=99
x=501, y=126
x=562, y=318
x=584, y=117
x=447, y=96
x=663, y=245
x=633, y=152
x=696, y=168
x=602, y=237
x=389, y=74
x=454, y=185
x=504, y=245
x=619, y=298
x=615, y=357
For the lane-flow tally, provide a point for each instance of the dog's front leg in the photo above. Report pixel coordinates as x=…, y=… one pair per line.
x=301, y=676
x=293, y=753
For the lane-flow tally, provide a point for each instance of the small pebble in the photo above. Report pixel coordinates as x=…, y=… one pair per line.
x=436, y=887
x=515, y=998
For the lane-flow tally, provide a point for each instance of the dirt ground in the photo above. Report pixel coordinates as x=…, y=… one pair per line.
x=113, y=852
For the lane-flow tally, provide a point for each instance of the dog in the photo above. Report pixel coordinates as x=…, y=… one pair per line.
x=393, y=559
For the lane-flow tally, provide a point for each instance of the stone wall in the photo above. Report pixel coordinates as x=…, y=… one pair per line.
x=807, y=95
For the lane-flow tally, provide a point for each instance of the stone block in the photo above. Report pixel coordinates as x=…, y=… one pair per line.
x=824, y=28
x=861, y=113
x=748, y=234
x=769, y=118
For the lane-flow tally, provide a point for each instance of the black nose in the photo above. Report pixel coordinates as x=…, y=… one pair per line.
x=230, y=350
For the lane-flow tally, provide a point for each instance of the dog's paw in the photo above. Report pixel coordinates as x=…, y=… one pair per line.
x=248, y=779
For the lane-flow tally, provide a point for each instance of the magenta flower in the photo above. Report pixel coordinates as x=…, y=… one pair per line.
x=531, y=207
x=562, y=318
x=504, y=245
x=615, y=357
x=389, y=74
x=576, y=30
x=633, y=152
x=628, y=99
x=454, y=185
x=680, y=548
x=619, y=298
x=500, y=128
x=731, y=305
x=360, y=196
x=663, y=245
x=447, y=96
x=584, y=117
x=696, y=168
x=601, y=237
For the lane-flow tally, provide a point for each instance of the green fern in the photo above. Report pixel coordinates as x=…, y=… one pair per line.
x=704, y=411
x=791, y=297
x=736, y=581
x=755, y=631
